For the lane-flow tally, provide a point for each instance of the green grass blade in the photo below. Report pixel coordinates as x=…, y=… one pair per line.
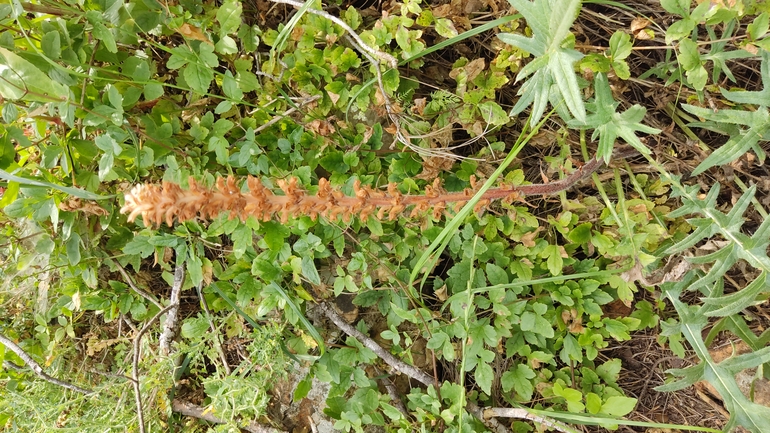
x=76, y=192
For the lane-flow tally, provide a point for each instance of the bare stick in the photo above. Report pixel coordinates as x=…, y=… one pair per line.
x=188, y=409
x=167, y=335
x=139, y=291
x=135, y=365
x=391, y=360
x=382, y=56
x=31, y=363
x=486, y=416
x=521, y=413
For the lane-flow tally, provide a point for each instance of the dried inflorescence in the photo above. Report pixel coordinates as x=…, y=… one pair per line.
x=169, y=202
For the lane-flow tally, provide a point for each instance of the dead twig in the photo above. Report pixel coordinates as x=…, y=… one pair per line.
x=188, y=409
x=521, y=413
x=136, y=289
x=135, y=365
x=31, y=363
x=164, y=341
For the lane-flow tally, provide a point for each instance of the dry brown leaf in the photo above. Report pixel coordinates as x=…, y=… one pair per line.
x=350, y=78
x=474, y=68
x=192, y=32
x=418, y=106
x=333, y=96
x=433, y=166
x=74, y=204
x=323, y=128
x=639, y=23
x=640, y=29
x=528, y=240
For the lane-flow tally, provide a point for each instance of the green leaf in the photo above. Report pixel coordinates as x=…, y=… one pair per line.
x=194, y=268
x=519, y=379
x=105, y=165
x=309, y=270
x=759, y=128
x=103, y=34
x=572, y=396
x=73, y=249
x=618, y=406
x=229, y=16
x=199, y=77
x=496, y=275
x=609, y=125
x=195, y=327
x=230, y=87
x=51, y=44
x=537, y=324
x=555, y=261
x=446, y=28
x=484, y=376
x=242, y=240
x=758, y=28
x=20, y=79
x=550, y=22
x=275, y=234
x=620, y=45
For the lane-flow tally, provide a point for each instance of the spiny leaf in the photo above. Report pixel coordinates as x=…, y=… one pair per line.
x=550, y=22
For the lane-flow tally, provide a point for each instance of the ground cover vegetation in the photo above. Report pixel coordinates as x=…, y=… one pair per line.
x=437, y=215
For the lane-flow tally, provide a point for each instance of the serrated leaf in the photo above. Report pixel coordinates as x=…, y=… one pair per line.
x=484, y=376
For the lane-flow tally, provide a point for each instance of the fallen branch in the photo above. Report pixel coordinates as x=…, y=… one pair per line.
x=31, y=363
x=136, y=289
x=195, y=411
x=164, y=341
x=135, y=365
x=399, y=365
x=521, y=413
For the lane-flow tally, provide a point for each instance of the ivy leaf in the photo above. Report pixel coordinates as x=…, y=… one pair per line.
x=553, y=75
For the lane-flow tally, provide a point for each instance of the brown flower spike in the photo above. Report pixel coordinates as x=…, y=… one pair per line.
x=169, y=202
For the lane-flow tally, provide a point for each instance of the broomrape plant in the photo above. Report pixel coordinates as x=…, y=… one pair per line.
x=232, y=133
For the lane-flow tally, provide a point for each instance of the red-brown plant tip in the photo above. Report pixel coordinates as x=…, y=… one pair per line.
x=169, y=202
